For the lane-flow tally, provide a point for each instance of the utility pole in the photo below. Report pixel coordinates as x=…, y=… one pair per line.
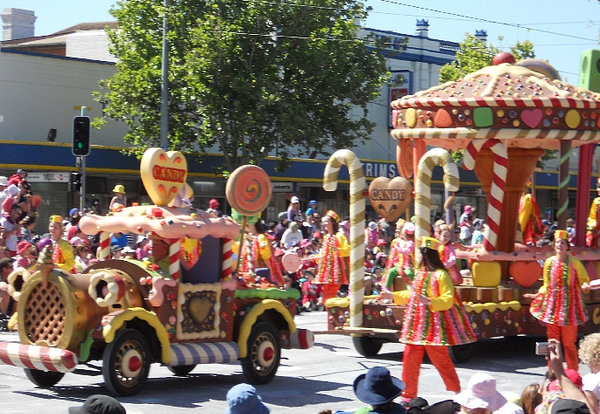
x=164, y=90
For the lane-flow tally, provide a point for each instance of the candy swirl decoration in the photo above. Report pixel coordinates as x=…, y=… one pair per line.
x=164, y=174
x=249, y=190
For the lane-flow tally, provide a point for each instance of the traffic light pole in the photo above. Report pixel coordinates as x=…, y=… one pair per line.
x=82, y=171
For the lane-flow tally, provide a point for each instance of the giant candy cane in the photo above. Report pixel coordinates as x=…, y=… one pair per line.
x=490, y=236
x=433, y=157
x=357, y=223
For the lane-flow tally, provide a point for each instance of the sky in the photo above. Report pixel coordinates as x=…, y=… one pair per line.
x=561, y=30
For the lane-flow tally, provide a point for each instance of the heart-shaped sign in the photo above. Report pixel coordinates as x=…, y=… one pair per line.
x=525, y=273
x=389, y=198
x=199, y=308
x=163, y=174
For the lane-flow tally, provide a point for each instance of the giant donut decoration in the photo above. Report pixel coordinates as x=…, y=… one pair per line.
x=106, y=287
x=249, y=190
x=16, y=279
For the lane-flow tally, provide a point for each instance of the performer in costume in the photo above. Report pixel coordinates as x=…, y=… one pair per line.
x=559, y=301
x=434, y=320
x=529, y=220
x=401, y=256
x=448, y=254
x=593, y=223
x=257, y=251
x=334, y=248
x=62, y=255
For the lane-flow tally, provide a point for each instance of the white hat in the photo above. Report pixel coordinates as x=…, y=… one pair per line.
x=295, y=200
x=481, y=393
x=3, y=180
x=12, y=190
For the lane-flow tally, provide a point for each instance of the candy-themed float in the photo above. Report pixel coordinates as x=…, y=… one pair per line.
x=504, y=116
x=193, y=308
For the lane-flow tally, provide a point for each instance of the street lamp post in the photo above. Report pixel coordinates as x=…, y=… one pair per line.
x=164, y=90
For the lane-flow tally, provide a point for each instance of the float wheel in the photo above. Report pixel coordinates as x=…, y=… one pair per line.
x=43, y=379
x=264, y=354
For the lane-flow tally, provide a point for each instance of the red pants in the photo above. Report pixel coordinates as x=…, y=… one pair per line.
x=567, y=335
x=330, y=290
x=440, y=358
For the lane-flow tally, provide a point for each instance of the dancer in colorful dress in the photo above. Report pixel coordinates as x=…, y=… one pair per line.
x=434, y=320
x=334, y=248
x=448, y=254
x=529, y=220
x=258, y=253
x=559, y=301
x=401, y=257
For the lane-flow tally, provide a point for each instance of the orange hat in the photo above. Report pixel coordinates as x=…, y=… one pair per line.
x=333, y=215
x=430, y=243
x=561, y=234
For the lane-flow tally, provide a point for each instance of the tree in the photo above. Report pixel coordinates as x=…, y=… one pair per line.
x=246, y=76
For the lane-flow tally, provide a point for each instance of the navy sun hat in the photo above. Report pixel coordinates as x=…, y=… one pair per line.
x=98, y=404
x=243, y=399
x=377, y=386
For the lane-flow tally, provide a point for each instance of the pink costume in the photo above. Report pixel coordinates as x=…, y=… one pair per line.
x=399, y=257
x=448, y=256
x=258, y=253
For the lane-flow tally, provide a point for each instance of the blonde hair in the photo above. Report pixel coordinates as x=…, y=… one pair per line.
x=589, y=350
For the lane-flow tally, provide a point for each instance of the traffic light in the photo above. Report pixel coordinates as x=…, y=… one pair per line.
x=74, y=181
x=81, y=136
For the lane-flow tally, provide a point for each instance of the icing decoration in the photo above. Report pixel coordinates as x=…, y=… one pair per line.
x=163, y=174
x=442, y=119
x=410, y=117
x=483, y=117
x=503, y=57
x=249, y=190
x=572, y=119
x=532, y=117
x=389, y=198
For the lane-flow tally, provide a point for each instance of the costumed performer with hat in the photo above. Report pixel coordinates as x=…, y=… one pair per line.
x=331, y=271
x=378, y=388
x=434, y=319
x=559, y=301
x=119, y=201
x=529, y=220
x=401, y=257
x=592, y=233
x=256, y=251
x=62, y=252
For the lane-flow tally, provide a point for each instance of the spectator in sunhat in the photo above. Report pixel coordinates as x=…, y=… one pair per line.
x=312, y=208
x=243, y=399
x=379, y=389
x=119, y=201
x=559, y=301
x=99, y=404
x=332, y=271
x=480, y=395
x=25, y=255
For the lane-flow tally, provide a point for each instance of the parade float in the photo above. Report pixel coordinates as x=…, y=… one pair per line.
x=193, y=308
x=504, y=116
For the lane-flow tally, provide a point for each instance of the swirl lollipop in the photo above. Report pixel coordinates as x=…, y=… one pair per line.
x=248, y=191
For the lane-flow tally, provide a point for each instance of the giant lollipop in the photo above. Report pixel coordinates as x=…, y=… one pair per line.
x=248, y=191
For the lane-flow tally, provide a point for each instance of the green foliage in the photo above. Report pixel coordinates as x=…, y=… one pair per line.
x=247, y=77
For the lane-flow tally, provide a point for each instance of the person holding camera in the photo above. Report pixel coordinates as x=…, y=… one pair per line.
x=559, y=301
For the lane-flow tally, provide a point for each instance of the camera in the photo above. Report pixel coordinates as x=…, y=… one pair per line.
x=541, y=348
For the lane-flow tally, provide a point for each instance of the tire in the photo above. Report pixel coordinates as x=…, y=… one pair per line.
x=461, y=353
x=131, y=347
x=181, y=370
x=264, y=354
x=367, y=346
x=43, y=379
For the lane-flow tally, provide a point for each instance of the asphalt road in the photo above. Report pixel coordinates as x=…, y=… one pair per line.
x=307, y=380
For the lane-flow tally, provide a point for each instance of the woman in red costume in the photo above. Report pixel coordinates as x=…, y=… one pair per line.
x=448, y=254
x=559, y=301
x=434, y=320
x=257, y=252
x=334, y=248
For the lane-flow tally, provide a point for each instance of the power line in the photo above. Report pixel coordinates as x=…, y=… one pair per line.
x=464, y=16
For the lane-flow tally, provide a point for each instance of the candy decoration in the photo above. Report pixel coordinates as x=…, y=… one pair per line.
x=227, y=268
x=496, y=195
x=563, y=183
x=249, y=190
x=104, y=245
x=42, y=358
x=291, y=262
x=163, y=173
x=433, y=157
x=174, y=252
x=404, y=158
x=357, y=223
x=389, y=198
